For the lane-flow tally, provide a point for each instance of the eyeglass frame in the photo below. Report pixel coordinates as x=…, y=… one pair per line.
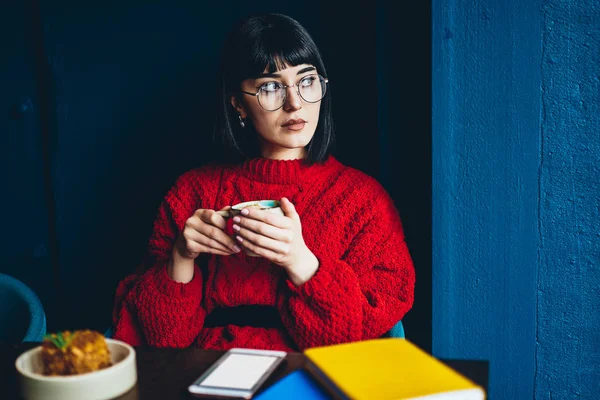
x=297, y=84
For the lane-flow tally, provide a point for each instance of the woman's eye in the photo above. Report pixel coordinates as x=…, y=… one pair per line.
x=308, y=81
x=270, y=86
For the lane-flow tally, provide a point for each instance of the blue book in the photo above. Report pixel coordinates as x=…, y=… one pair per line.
x=298, y=385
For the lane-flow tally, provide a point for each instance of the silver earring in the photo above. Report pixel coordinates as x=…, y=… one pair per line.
x=242, y=123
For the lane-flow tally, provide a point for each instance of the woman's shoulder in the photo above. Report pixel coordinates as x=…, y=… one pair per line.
x=199, y=183
x=359, y=183
x=362, y=197
x=196, y=188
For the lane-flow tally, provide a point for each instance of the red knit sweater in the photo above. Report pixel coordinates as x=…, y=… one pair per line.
x=364, y=284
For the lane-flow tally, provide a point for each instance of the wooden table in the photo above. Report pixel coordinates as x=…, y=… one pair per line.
x=166, y=373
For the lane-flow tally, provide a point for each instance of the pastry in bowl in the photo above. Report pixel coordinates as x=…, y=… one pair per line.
x=71, y=353
x=75, y=366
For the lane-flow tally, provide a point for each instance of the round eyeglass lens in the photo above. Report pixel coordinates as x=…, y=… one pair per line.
x=272, y=95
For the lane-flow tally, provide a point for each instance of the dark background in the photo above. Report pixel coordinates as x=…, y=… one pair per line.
x=104, y=106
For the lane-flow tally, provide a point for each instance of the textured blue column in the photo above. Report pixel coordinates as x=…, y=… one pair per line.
x=486, y=159
x=568, y=350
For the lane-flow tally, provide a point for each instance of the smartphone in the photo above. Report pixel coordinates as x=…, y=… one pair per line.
x=237, y=374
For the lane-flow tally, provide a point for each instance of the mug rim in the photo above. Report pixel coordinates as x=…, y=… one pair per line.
x=263, y=203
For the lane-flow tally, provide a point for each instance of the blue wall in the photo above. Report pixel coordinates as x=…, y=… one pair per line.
x=516, y=125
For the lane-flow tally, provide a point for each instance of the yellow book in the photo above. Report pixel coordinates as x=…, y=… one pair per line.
x=389, y=368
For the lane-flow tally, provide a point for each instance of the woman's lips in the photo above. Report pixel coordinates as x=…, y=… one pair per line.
x=294, y=124
x=295, y=127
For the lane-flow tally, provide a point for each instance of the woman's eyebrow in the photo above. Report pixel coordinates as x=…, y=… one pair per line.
x=274, y=75
x=303, y=70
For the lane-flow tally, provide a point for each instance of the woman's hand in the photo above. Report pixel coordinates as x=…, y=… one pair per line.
x=278, y=238
x=203, y=232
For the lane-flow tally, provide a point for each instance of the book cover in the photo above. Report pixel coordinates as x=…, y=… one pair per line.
x=390, y=368
x=298, y=385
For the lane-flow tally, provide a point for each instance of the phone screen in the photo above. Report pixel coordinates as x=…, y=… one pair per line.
x=239, y=371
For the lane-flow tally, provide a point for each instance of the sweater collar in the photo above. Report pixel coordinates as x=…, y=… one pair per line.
x=280, y=171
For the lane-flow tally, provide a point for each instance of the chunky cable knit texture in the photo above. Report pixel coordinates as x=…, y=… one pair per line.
x=364, y=284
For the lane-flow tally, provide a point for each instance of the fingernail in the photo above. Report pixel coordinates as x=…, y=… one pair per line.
x=237, y=220
x=236, y=248
x=245, y=211
x=239, y=239
x=236, y=228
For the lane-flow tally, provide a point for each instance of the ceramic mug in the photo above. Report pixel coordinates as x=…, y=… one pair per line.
x=266, y=205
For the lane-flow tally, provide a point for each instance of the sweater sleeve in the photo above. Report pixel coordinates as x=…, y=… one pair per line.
x=359, y=296
x=150, y=308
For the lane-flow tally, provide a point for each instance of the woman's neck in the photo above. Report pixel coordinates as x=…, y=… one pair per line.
x=284, y=154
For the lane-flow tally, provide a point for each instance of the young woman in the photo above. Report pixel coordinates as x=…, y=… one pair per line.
x=334, y=268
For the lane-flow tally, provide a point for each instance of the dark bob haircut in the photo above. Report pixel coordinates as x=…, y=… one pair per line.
x=257, y=42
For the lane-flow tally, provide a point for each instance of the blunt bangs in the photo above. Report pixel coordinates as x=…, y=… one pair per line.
x=273, y=47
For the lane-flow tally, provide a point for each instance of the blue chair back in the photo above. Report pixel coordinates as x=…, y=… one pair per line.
x=22, y=317
x=108, y=333
x=397, y=331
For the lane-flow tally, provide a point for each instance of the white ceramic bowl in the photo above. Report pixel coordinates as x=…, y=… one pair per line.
x=98, y=385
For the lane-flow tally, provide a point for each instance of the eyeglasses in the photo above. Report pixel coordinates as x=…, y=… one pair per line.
x=272, y=95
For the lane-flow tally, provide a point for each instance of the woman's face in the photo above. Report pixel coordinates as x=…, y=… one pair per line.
x=285, y=132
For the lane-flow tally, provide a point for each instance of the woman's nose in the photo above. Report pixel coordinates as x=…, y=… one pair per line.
x=293, y=100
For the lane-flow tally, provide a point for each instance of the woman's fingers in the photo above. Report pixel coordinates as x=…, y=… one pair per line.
x=260, y=251
x=193, y=236
x=195, y=248
x=270, y=218
x=213, y=218
x=210, y=236
x=212, y=250
x=254, y=241
x=262, y=228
